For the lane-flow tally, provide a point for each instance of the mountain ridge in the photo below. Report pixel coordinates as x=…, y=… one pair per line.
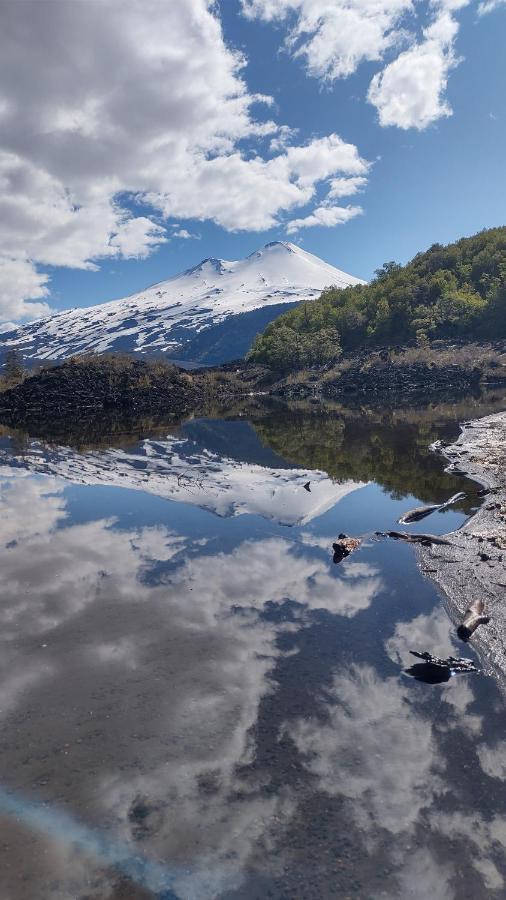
x=208, y=313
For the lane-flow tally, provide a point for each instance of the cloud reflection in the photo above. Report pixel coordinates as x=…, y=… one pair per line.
x=372, y=749
x=159, y=657
x=486, y=844
x=135, y=666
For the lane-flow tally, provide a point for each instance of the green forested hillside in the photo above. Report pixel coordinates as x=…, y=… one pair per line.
x=447, y=292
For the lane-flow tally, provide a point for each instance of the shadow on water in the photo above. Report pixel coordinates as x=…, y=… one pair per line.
x=196, y=702
x=428, y=674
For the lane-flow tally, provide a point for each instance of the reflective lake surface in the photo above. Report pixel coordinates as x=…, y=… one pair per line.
x=196, y=702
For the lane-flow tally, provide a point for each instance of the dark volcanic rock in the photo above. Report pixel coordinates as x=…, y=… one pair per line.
x=87, y=388
x=375, y=379
x=412, y=379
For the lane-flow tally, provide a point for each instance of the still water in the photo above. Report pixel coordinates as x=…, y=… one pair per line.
x=196, y=702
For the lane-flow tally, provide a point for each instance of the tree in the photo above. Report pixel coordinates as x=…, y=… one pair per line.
x=459, y=290
x=388, y=268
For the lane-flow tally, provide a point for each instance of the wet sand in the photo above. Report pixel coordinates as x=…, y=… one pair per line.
x=474, y=566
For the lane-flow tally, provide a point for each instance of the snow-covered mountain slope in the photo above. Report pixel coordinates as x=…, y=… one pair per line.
x=178, y=469
x=208, y=313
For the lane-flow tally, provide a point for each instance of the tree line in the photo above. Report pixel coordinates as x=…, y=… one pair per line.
x=453, y=291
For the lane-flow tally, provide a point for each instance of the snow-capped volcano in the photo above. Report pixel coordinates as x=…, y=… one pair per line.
x=209, y=313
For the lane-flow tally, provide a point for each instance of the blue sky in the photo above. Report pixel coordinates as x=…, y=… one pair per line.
x=426, y=176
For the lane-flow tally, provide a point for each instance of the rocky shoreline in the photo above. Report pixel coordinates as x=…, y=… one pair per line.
x=91, y=385
x=474, y=565
x=386, y=384
x=396, y=374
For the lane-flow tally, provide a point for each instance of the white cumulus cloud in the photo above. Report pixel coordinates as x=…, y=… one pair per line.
x=247, y=194
x=345, y=187
x=20, y=280
x=409, y=93
x=326, y=216
x=104, y=105
x=489, y=6
x=333, y=39
x=185, y=234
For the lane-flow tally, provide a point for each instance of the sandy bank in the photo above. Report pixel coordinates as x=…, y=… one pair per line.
x=475, y=564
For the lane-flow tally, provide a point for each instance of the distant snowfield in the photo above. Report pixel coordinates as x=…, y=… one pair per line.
x=176, y=469
x=171, y=314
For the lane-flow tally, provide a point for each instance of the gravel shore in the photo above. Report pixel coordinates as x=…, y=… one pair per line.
x=474, y=565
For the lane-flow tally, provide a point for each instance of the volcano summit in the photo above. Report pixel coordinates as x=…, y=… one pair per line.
x=209, y=313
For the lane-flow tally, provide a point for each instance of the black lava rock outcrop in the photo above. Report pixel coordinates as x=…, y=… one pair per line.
x=89, y=387
x=411, y=379
x=385, y=383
